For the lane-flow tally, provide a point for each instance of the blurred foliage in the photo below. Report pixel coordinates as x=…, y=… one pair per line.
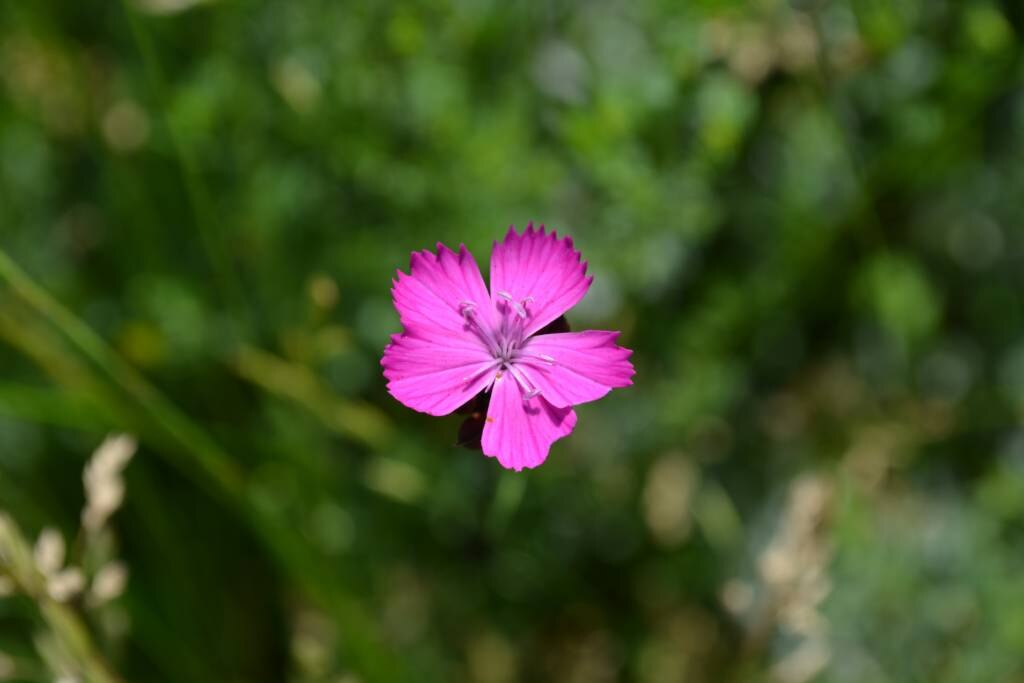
x=804, y=216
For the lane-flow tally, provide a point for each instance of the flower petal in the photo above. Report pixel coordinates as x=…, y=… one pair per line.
x=540, y=269
x=429, y=373
x=438, y=288
x=439, y=362
x=519, y=433
x=575, y=367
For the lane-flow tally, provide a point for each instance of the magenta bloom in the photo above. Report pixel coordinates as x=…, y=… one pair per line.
x=461, y=340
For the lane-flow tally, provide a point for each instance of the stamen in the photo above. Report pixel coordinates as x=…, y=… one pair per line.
x=524, y=383
x=485, y=369
x=468, y=310
x=535, y=358
x=517, y=305
x=530, y=394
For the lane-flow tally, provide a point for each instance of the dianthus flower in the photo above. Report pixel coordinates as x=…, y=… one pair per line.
x=499, y=350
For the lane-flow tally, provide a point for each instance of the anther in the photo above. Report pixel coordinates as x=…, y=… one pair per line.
x=530, y=394
x=517, y=305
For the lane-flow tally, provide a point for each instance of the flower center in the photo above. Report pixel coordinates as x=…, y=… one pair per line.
x=505, y=340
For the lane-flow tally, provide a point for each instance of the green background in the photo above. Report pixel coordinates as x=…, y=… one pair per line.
x=804, y=217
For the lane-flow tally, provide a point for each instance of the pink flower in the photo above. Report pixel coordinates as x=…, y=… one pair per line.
x=461, y=340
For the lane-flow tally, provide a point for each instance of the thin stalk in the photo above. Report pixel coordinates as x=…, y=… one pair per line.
x=212, y=464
